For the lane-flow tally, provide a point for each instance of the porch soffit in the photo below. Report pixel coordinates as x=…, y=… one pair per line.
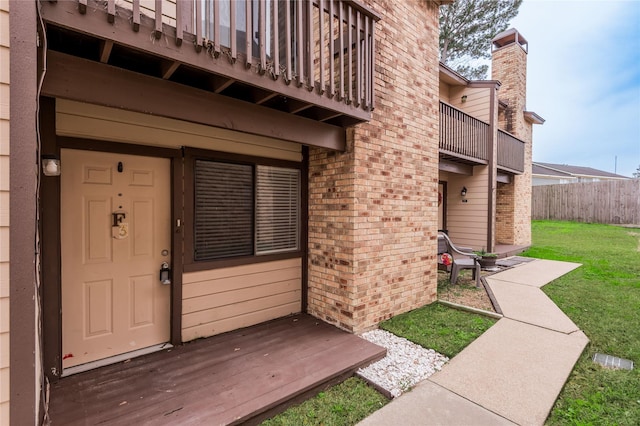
x=118, y=44
x=457, y=158
x=455, y=167
x=90, y=121
x=503, y=177
x=82, y=80
x=509, y=171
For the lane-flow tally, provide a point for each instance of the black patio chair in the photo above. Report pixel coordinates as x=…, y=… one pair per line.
x=458, y=263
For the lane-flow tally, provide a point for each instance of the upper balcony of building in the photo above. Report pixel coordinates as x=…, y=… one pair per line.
x=466, y=111
x=310, y=58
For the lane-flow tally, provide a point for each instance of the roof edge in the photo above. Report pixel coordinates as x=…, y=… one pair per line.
x=533, y=118
x=485, y=83
x=451, y=73
x=586, y=172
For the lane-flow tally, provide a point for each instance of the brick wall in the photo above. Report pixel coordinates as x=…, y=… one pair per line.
x=522, y=192
x=513, y=206
x=373, y=208
x=505, y=213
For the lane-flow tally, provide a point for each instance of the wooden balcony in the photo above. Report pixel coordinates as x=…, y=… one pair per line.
x=463, y=138
x=310, y=58
x=510, y=153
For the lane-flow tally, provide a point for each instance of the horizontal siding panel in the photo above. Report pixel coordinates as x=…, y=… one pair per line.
x=239, y=309
x=474, y=243
x=221, y=300
x=4, y=350
x=469, y=232
x=444, y=92
x=218, y=300
x=213, y=274
x=467, y=226
x=478, y=212
x=4, y=315
x=4, y=408
x=4, y=101
x=477, y=102
x=4, y=136
x=204, y=288
x=461, y=223
x=245, y=320
x=4, y=208
x=76, y=119
x=4, y=244
x=4, y=279
x=4, y=387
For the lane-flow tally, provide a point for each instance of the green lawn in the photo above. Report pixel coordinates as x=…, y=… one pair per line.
x=434, y=326
x=603, y=298
x=438, y=327
x=342, y=405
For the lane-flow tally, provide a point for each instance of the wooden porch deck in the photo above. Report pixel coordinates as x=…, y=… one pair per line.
x=243, y=376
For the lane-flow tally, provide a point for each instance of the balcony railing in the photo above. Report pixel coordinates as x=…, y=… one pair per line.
x=313, y=58
x=510, y=152
x=463, y=136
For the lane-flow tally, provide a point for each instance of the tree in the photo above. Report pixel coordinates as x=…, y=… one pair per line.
x=636, y=174
x=466, y=30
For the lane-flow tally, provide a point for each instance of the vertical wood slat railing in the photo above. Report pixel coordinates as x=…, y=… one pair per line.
x=327, y=46
x=462, y=134
x=510, y=151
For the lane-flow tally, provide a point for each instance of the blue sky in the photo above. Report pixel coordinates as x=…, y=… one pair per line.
x=583, y=77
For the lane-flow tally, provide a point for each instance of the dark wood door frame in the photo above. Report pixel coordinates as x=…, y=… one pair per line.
x=444, y=203
x=51, y=210
x=25, y=381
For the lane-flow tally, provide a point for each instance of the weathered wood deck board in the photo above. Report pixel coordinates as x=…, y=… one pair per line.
x=225, y=379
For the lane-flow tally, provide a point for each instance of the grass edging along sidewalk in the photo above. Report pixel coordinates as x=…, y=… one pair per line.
x=603, y=299
x=471, y=309
x=445, y=329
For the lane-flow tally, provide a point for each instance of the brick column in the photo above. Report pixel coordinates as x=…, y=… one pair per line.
x=373, y=209
x=513, y=207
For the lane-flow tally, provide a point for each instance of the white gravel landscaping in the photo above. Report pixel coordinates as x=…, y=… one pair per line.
x=405, y=365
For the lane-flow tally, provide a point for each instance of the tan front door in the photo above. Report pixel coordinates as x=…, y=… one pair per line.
x=112, y=299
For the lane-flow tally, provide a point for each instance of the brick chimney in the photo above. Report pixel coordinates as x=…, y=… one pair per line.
x=513, y=204
x=509, y=66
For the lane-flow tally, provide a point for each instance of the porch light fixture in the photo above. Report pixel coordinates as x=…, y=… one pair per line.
x=464, y=191
x=50, y=165
x=464, y=98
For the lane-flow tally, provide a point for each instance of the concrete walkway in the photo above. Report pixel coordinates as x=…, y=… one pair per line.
x=513, y=373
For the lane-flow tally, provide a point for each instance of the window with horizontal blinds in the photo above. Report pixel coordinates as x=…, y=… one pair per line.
x=223, y=223
x=277, y=209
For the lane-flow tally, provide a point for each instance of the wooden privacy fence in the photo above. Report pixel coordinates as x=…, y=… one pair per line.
x=616, y=202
